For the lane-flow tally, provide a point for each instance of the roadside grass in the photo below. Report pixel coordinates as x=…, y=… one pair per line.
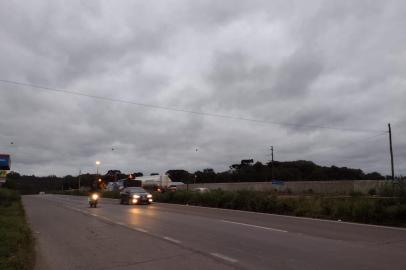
x=111, y=194
x=385, y=206
x=16, y=240
x=356, y=208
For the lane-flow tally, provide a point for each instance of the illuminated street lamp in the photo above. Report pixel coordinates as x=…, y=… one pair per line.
x=97, y=166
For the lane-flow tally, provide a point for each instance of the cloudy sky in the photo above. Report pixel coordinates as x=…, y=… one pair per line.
x=295, y=66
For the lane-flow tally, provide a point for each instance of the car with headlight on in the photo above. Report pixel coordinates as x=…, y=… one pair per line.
x=135, y=195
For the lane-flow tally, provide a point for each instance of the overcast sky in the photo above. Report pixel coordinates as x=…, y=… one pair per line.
x=338, y=64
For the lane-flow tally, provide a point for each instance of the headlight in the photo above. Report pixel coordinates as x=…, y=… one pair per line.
x=136, y=196
x=149, y=196
x=95, y=196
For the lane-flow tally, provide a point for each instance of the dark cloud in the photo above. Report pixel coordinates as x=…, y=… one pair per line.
x=313, y=63
x=295, y=76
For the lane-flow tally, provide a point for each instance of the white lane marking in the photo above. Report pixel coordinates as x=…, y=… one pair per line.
x=141, y=230
x=224, y=257
x=106, y=218
x=254, y=226
x=172, y=239
x=289, y=217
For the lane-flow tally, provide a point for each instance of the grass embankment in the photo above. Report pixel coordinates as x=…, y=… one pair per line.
x=16, y=241
x=357, y=208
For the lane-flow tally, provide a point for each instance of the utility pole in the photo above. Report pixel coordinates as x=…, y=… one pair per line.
x=271, y=163
x=391, y=151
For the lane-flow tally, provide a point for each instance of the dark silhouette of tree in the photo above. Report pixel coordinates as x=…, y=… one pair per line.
x=247, y=171
x=180, y=176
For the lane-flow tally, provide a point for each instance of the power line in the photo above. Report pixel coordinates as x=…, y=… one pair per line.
x=359, y=142
x=367, y=139
x=75, y=93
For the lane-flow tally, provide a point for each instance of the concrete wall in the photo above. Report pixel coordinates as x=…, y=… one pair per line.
x=342, y=186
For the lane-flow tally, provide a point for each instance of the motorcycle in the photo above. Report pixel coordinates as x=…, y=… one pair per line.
x=93, y=200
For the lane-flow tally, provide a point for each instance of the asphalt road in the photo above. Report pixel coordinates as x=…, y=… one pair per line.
x=162, y=236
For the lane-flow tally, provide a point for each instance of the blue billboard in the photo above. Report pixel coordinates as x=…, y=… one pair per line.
x=4, y=162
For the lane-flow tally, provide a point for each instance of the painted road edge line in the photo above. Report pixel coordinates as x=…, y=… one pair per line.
x=224, y=257
x=254, y=226
x=171, y=239
x=290, y=217
x=141, y=230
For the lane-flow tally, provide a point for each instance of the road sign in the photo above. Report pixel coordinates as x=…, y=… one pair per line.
x=4, y=162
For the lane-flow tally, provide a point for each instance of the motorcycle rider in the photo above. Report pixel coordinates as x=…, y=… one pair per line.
x=93, y=191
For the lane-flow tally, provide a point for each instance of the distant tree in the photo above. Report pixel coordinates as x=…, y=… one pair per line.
x=13, y=175
x=180, y=176
x=374, y=176
x=247, y=170
x=235, y=167
x=11, y=179
x=113, y=172
x=206, y=176
x=247, y=162
x=258, y=166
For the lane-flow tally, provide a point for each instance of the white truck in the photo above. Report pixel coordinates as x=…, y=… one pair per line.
x=159, y=182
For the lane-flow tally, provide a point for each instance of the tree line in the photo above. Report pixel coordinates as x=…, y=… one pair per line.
x=249, y=171
x=245, y=171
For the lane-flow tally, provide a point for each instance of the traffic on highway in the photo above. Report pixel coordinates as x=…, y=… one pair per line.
x=155, y=236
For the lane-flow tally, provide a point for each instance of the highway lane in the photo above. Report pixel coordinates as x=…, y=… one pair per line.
x=217, y=239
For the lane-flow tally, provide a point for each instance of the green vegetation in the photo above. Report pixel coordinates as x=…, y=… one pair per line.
x=357, y=208
x=16, y=241
x=386, y=205
x=246, y=171
x=250, y=171
x=111, y=194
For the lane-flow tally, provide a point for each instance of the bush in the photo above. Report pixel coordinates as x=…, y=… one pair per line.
x=393, y=189
x=111, y=194
x=390, y=211
x=377, y=210
x=372, y=192
x=16, y=241
x=355, y=194
x=8, y=196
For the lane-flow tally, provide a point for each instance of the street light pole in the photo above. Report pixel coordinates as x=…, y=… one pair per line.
x=97, y=167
